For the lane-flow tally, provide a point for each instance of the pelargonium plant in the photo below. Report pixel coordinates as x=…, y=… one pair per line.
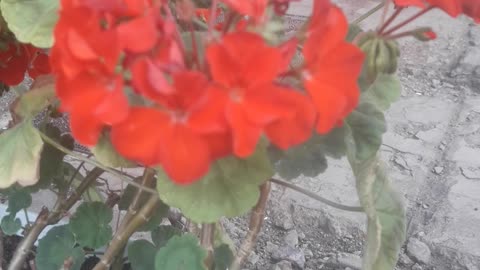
x=206, y=103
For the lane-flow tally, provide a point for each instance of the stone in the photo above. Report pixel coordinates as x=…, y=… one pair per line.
x=438, y=170
x=253, y=258
x=419, y=251
x=282, y=265
x=270, y=247
x=283, y=220
x=470, y=173
x=291, y=238
x=288, y=253
x=404, y=260
x=308, y=253
x=349, y=260
x=417, y=267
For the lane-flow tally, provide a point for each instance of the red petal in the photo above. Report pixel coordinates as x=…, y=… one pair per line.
x=137, y=137
x=245, y=134
x=114, y=106
x=288, y=132
x=405, y=3
x=185, y=156
x=139, y=34
x=85, y=128
x=142, y=85
x=210, y=117
x=79, y=47
x=266, y=103
x=220, y=144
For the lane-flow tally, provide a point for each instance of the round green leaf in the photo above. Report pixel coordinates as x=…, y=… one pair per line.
x=18, y=200
x=32, y=21
x=20, y=147
x=57, y=247
x=141, y=255
x=108, y=156
x=163, y=233
x=231, y=188
x=181, y=253
x=383, y=92
x=90, y=224
x=222, y=257
x=10, y=225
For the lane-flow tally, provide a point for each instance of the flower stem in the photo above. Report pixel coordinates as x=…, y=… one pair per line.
x=390, y=20
x=147, y=181
x=407, y=21
x=95, y=163
x=368, y=13
x=45, y=218
x=316, y=197
x=121, y=237
x=213, y=17
x=385, y=11
x=206, y=241
x=256, y=221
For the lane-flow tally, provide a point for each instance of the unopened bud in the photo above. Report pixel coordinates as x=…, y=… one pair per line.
x=381, y=55
x=424, y=34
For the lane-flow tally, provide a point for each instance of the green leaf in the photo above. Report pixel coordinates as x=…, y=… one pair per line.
x=161, y=234
x=141, y=255
x=384, y=208
x=181, y=252
x=10, y=225
x=307, y=159
x=108, y=156
x=127, y=197
x=383, y=92
x=367, y=126
x=37, y=98
x=57, y=247
x=90, y=224
x=51, y=161
x=231, y=188
x=36, y=23
x=20, y=155
x=385, y=214
x=19, y=199
x=222, y=257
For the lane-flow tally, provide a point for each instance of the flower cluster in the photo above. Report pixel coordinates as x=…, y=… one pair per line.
x=454, y=8
x=123, y=65
x=18, y=59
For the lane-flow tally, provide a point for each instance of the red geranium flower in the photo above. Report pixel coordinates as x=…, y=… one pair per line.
x=332, y=66
x=184, y=136
x=254, y=8
x=451, y=7
x=244, y=69
x=13, y=64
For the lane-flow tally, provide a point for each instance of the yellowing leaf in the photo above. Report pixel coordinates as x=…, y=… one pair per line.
x=32, y=21
x=20, y=149
x=39, y=97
